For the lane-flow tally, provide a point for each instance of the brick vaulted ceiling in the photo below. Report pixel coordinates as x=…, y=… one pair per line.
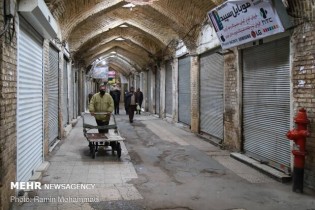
x=91, y=28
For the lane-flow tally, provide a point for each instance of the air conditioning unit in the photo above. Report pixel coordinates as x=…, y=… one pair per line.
x=38, y=15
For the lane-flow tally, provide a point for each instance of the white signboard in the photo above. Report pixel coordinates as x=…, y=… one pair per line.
x=100, y=72
x=240, y=21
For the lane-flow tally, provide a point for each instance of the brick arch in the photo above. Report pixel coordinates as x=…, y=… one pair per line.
x=143, y=19
x=134, y=35
x=164, y=20
x=117, y=46
x=121, y=69
x=122, y=55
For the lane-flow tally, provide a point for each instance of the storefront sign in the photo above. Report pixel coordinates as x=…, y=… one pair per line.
x=100, y=72
x=240, y=21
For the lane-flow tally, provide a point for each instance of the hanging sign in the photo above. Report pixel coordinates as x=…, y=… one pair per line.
x=100, y=72
x=111, y=74
x=240, y=21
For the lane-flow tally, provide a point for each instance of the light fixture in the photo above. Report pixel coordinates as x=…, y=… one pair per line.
x=119, y=39
x=123, y=26
x=130, y=6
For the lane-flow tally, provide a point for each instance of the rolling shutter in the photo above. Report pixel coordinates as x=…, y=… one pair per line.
x=71, y=93
x=29, y=102
x=168, y=89
x=211, y=94
x=266, y=102
x=184, y=103
x=157, y=92
x=137, y=82
x=53, y=99
x=65, y=114
x=149, y=91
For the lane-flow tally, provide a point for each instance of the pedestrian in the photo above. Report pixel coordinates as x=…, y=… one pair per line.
x=131, y=103
x=115, y=93
x=126, y=107
x=139, y=100
x=101, y=102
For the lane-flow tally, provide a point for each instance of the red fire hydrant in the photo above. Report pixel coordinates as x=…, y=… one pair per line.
x=298, y=135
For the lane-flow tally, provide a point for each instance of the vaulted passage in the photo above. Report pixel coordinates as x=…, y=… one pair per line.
x=233, y=74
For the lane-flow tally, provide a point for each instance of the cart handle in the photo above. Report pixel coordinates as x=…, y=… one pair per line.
x=99, y=127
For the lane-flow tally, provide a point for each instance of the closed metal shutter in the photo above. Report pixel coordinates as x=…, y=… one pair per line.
x=138, y=81
x=71, y=94
x=53, y=99
x=76, y=87
x=168, y=89
x=149, y=90
x=65, y=113
x=157, y=92
x=29, y=103
x=266, y=102
x=184, y=95
x=211, y=94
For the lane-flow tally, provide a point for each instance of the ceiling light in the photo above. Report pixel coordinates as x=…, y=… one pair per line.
x=123, y=26
x=130, y=5
x=119, y=39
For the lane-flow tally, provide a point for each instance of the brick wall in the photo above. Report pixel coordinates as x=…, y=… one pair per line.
x=303, y=67
x=8, y=101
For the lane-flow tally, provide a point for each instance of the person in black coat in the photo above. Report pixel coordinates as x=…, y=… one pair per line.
x=139, y=99
x=131, y=103
x=116, y=97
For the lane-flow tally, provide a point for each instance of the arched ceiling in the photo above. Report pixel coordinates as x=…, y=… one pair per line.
x=91, y=28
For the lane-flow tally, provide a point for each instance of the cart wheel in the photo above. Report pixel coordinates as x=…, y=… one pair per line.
x=118, y=148
x=93, y=151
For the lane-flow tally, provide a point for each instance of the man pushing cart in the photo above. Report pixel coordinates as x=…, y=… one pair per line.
x=101, y=107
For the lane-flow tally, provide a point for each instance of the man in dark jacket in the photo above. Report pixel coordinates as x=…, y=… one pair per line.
x=139, y=100
x=116, y=97
x=131, y=103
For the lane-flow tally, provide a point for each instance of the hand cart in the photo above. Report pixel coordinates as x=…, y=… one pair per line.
x=96, y=139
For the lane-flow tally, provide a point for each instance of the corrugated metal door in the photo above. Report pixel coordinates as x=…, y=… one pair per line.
x=184, y=96
x=168, y=89
x=211, y=94
x=71, y=93
x=29, y=103
x=157, y=92
x=53, y=99
x=138, y=81
x=65, y=113
x=266, y=102
x=76, y=87
x=149, y=90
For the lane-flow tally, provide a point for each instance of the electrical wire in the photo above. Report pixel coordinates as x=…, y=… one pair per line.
x=7, y=23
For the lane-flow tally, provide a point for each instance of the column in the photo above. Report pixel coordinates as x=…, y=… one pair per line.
x=194, y=75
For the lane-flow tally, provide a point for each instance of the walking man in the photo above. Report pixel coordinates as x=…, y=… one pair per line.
x=116, y=97
x=139, y=100
x=131, y=103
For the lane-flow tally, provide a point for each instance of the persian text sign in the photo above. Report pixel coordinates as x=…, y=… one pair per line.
x=240, y=21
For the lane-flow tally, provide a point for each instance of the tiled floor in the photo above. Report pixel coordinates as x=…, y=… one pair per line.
x=71, y=163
